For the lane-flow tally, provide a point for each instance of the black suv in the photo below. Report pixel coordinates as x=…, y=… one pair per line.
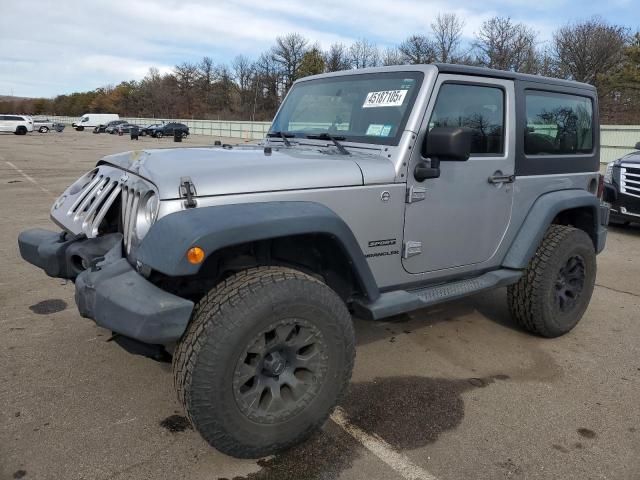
x=103, y=128
x=169, y=129
x=622, y=187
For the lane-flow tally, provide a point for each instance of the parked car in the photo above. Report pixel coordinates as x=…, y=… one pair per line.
x=445, y=181
x=622, y=188
x=103, y=128
x=90, y=120
x=113, y=127
x=125, y=128
x=146, y=130
x=43, y=125
x=169, y=129
x=18, y=124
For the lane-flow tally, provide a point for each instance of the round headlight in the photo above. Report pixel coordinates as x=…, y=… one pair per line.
x=147, y=214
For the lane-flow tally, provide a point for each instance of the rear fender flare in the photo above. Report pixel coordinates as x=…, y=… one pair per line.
x=541, y=215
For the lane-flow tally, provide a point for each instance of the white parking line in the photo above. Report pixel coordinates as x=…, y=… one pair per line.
x=381, y=449
x=31, y=179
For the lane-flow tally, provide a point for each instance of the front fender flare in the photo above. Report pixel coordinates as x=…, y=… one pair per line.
x=540, y=216
x=213, y=228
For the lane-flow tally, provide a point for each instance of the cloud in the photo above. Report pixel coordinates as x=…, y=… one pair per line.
x=78, y=45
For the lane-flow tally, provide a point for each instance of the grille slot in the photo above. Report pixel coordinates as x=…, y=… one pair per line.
x=130, y=203
x=630, y=179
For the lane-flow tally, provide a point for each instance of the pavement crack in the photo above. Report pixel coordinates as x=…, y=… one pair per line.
x=618, y=290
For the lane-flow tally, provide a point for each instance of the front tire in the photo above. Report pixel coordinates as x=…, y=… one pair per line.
x=555, y=290
x=43, y=129
x=266, y=358
x=79, y=129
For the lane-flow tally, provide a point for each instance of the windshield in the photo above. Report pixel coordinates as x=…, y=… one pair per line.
x=367, y=108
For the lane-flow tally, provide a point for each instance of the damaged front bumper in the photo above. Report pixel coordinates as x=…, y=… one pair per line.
x=108, y=289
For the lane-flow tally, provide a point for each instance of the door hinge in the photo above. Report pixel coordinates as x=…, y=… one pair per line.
x=416, y=194
x=188, y=191
x=411, y=248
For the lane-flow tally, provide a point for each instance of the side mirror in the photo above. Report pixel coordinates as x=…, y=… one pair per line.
x=448, y=144
x=637, y=147
x=443, y=144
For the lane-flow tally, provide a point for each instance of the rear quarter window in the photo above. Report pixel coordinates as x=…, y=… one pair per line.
x=557, y=124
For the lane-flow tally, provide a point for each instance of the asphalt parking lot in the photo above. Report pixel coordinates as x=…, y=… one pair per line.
x=451, y=392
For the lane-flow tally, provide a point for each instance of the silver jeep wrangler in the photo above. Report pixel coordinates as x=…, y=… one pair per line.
x=378, y=190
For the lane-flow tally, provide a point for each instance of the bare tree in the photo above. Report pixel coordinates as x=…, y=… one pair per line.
x=417, y=49
x=506, y=45
x=337, y=58
x=288, y=52
x=205, y=78
x=363, y=54
x=265, y=86
x=186, y=75
x=242, y=71
x=447, y=33
x=392, y=56
x=585, y=51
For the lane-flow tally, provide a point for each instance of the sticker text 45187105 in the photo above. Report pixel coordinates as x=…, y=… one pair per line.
x=385, y=98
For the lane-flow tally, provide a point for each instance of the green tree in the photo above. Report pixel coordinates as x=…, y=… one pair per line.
x=312, y=63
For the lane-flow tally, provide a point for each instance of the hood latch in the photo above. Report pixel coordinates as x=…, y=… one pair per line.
x=188, y=191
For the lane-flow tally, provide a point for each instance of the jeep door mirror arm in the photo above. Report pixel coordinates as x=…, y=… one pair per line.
x=427, y=169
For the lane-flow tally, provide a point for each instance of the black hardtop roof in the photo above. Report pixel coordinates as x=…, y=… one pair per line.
x=488, y=72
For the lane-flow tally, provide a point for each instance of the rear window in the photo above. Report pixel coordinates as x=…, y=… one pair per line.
x=558, y=124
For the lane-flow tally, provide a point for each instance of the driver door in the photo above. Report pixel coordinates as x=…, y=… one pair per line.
x=463, y=215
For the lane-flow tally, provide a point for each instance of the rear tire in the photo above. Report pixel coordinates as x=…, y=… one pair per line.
x=555, y=290
x=266, y=358
x=158, y=134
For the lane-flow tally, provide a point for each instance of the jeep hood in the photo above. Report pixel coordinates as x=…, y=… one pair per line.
x=248, y=169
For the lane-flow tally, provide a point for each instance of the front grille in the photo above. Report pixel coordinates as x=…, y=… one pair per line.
x=84, y=207
x=93, y=203
x=630, y=179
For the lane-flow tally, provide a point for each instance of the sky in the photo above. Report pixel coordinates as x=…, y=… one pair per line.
x=56, y=47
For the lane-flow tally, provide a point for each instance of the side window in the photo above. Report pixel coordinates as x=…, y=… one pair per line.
x=557, y=124
x=476, y=107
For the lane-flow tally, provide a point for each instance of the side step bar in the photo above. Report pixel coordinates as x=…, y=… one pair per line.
x=401, y=301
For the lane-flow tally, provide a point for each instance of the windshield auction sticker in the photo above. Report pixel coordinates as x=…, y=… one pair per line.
x=386, y=98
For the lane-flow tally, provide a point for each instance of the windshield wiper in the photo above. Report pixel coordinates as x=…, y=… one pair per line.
x=326, y=136
x=283, y=136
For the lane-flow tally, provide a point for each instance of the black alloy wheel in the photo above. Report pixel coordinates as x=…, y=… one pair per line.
x=570, y=283
x=281, y=371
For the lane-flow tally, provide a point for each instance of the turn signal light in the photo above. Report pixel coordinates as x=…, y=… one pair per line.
x=195, y=255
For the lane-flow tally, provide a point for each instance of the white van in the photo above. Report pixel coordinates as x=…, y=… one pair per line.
x=18, y=124
x=94, y=120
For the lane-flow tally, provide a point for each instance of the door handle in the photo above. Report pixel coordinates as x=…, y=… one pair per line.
x=498, y=177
